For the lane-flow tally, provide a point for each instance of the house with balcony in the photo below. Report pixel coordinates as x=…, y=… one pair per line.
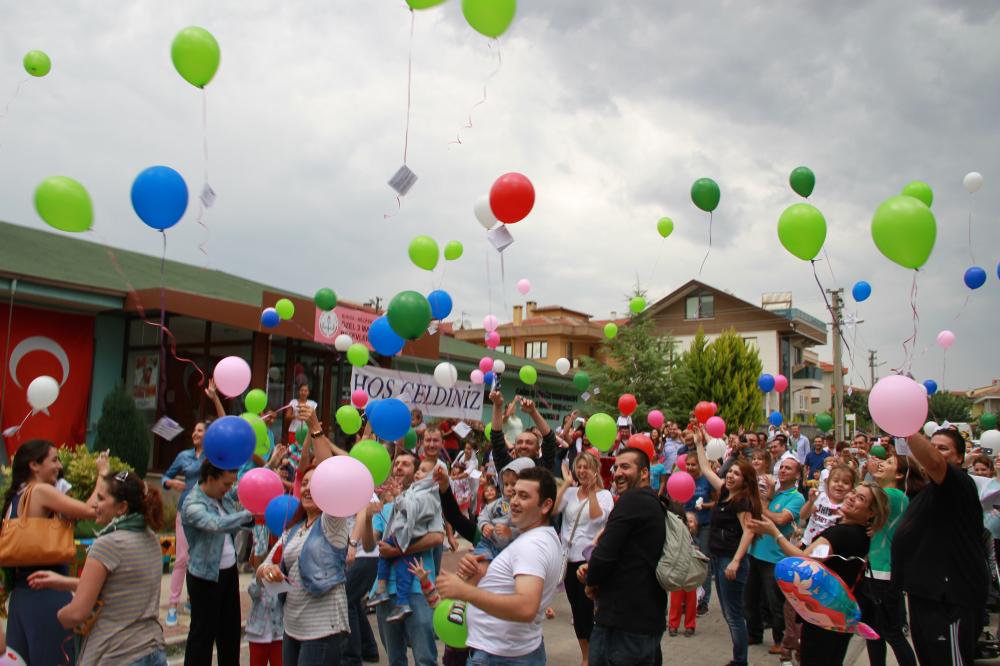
x=985, y=399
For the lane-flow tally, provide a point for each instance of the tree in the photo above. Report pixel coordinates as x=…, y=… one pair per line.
x=857, y=403
x=946, y=406
x=122, y=430
x=725, y=372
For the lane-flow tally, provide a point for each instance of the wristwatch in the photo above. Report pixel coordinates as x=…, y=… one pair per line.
x=318, y=433
x=354, y=542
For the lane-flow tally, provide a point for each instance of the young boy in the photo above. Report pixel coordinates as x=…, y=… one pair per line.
x=494, y=519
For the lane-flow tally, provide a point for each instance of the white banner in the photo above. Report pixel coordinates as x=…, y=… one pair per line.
x=462, y=401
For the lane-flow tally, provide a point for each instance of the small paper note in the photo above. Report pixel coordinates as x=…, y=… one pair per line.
x=585, y=396
x=402, y=180
x=207, y=196
x=167, y=428
x=461, y=429
x=475, y=474
x=500, y=237
x=597, y=390
x=902, y=448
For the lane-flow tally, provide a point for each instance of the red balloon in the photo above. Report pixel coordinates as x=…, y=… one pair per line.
x=703, y=411
x=627, y=404
x=643, y=443
x=680, y=486
x=511, y=198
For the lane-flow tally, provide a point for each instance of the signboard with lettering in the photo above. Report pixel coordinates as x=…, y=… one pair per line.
x=328, y=325
x=462, y=401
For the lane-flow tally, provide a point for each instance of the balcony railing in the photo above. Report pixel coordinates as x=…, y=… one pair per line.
x=809, y=372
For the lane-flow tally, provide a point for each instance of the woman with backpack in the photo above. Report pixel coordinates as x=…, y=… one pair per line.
x=729, y=539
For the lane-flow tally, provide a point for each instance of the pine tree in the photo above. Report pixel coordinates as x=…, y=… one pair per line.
x=122, y=430
x=725, y=372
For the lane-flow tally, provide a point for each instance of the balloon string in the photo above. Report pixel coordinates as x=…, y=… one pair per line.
x=201, y=202
x=710, y=215
x=962, y=309
x=409, y=85
x=6, y=351
x=17, y=91
x=837, y=323
x=971, y=255
x=503, y=285
x=829, y=264
x=910, y=343
x=468, y=125
x=489, y=280
x=652, y=273
x=944, y=369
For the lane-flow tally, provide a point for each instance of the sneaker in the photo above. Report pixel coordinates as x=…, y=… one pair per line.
x=672, y=631
x=688, y=633
x=398, y=613
x=786, y=662
x=172, y=617
x=377, y=599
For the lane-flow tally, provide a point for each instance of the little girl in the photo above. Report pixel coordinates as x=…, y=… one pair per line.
x=489, y=493
x=265, y=623
x=822, y=508
x=461, y=487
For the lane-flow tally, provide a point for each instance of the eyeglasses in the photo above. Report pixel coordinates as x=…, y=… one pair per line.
x=121, y=477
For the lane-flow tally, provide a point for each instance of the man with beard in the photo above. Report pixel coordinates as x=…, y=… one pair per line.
x=527, y=444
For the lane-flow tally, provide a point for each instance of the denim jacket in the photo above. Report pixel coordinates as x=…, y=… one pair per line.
x=206, y=529
x=186, y=467
x=321, y=565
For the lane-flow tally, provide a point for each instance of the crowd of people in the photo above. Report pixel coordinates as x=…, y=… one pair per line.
x=900, y=523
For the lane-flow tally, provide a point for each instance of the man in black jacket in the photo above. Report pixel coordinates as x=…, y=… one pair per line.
x=526, y=445
x=621, y=573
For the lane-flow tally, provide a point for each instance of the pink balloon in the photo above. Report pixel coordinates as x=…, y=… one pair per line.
x=780, y=383
x=524, y=286
x=655, y=418
x=232, y=376
x=485, y=364
x=680, y=486
x=258, y=487
x=945, y=339
x=492, y=339
x=341, y=486
x=681, y=460
x=490, y=322
x=898, y=405
x=359, y=398
x=715, y=427
x=476, y=376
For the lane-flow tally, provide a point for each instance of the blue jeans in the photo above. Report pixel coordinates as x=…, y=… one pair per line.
x=416, y=628
x=702, y=539
x=731, y=600
x=614, y=647
x=361, y=643
x=400, y=566
x=158, y=658
x=534, y=658
x=316, y=652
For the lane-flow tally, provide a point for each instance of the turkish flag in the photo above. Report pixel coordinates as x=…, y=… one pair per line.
x=45, y=342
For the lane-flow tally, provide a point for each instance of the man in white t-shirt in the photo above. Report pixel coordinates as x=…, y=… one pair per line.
x=507, y=599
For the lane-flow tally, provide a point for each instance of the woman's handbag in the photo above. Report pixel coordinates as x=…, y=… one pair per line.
x=27, y=541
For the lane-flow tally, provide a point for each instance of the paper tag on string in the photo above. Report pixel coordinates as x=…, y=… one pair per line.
x=500, y=237
x=902, y=447
x=167, y=428
x=402, y=180
x=207, y=196
x=585, y=396
x=461, y=429
x=432, y=329
x=597, y=390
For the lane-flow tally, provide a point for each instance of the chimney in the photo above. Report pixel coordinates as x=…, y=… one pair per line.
x=529, y=309
x=518, y=313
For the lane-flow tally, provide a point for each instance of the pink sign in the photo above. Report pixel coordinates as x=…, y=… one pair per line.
x=328, y=325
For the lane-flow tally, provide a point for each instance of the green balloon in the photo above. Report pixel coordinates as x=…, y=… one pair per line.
x=665, y=226
x=488, y=430
x=263, y=444
x=285, y=308
x=196, y=55
x=489, y=17
x=373, y=456
x=424, y=252
x=37, y=63
x=988, y=421
x=637, y=305
x=581, y=381
x=301, y=434
x=610, y=330
x=528, y=374
x=447, y=626
x=802, y=230
x=824, y=422
x=357, y=355
x=409, y=314
x=919, y=190
x=802, y=180
x=423, y=4
x=325, y=299
x=349, y=419
x=878, y=451
x=410, y=440
x=601, y=431
x=64, y=204
x=453, y=250
x=255, y=401
x=705, y=194
x=904, y=230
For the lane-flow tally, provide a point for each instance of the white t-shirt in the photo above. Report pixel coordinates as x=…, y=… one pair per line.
x=587, y=529
x=537, y=553
x=824, y=515
x=293, y=426
x=228, y=558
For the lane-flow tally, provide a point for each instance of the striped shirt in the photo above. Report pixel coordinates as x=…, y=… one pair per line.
x=127, y=627
x=308, y=617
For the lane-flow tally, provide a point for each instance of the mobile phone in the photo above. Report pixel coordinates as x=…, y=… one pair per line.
x=987, y=450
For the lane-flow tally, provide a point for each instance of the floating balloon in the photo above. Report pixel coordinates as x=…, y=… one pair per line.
x=581, y=380
x=37, y=63
x=512, y=195
x=450, y=624
x=861, y=291
x=492, y=339
x=409, y=314
x=780, y=383
x=904, y=230
x=269, y=318
x=643, y=443
x=972, y=181
x=359, y=398
x=637, y=304
x=477, y=377
x=349, y=419
x=483, y=212
x=285, y=308
x=229, y=442
x=424, y=252
x=325, y=299
x=159, y=197
x=715, y=426
x=655, y=418
x=988, y=421
x=257, y=488
x=665, y=226
x=453, y=250
x=974, y=277
x=931, y=386
x=705, y=194
x=499, y=366
x=196, y=55
x=342, y=342
x=490, y=18
x=820, y=597
x=42, y=392
x=490, y=322
x=945, y=339
x=680, y=486
x=610, y=330
x=383, y=338
x=341, y=486
x=990, y=439
x=279, y=514
x=562, y=366
x=262, y=443
x=703, y=411
x=485, y=364
x=919, y=190
x=775, y=419
x=802, y=180
x=528, y=374
x=446, y=375
x=390, y=420
x=64, y=204
x=524, y=286
x=357, y=355
x=601, y=431
x=423, y=4
x=373, y=456
x=824, y=422
x=802, y=230
x=716, y=447
x=627, y=404
x=898, y=405
x=930, y=428
x=766, y=383
x=255, y=401
x=232, y=376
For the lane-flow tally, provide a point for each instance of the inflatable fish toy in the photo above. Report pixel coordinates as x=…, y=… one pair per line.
x=820, y=597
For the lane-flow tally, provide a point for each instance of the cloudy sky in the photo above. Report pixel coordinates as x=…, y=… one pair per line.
x=612, y=109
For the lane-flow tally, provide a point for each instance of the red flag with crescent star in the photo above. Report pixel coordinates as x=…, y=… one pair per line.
x=57, y=344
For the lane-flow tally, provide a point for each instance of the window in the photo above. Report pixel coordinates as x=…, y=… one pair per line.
x=797, y=355
x=537, y=349
x=504, y=349
x=751, y=343
x=700, y=306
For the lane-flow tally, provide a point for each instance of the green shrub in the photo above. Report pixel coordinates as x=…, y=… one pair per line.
x=80, y=469
x=122, y=431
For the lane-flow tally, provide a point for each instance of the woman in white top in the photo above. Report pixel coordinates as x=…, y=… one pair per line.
x=585, y=507
x=301, y=401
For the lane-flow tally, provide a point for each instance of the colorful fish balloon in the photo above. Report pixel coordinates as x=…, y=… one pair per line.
x=820, y=597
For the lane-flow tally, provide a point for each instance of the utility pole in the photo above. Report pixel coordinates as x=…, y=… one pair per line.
x=872, y=358
x=838, y=375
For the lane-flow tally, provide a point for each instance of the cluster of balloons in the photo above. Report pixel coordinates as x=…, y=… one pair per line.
x=424, y=252
x=511, y=198
x=283, y=310
x=349, y=418
x=767, y=383
x=904, y=228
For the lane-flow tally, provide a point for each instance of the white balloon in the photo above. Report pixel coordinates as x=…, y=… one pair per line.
x=42, y=392
x=715, y=449
x=562, y=365
x=445, y=374
x=484, y=213
x=972, y=181
x=343, y=342
x=990, y=439
x=499, y=366
x=930, y=428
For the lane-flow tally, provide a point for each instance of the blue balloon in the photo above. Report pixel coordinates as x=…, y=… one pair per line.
x=775, y=419
x=861, y=291
x=488, y=378
x=440, y=304
x=390, y=419
x=931, y=386
x=279, y=512
x=383, y=338
x=229, y=442
x=975, y=277
x=269, y=318
x=766, y=383
x=159, y=197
